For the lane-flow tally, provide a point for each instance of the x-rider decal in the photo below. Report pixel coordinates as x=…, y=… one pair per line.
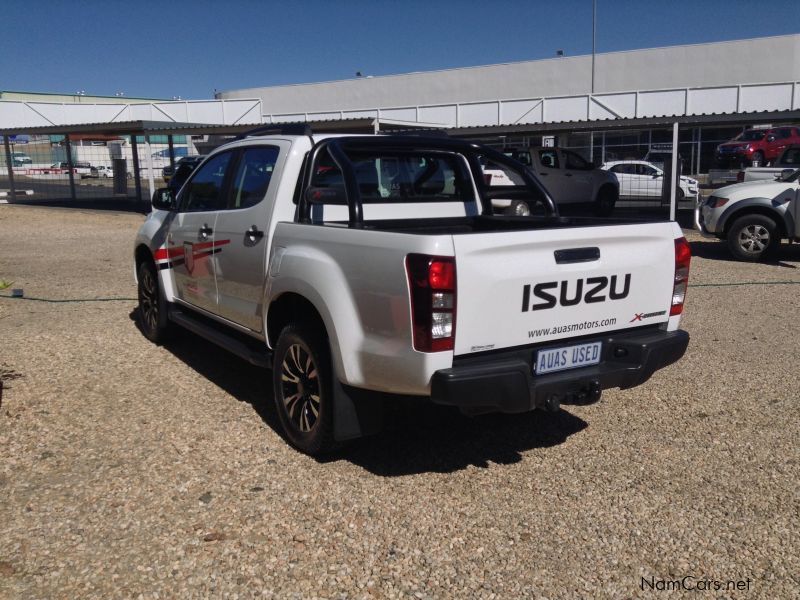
x=167, y=258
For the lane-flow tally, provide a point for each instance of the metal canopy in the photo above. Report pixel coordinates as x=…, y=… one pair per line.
x=368, y=124
x=707, y=120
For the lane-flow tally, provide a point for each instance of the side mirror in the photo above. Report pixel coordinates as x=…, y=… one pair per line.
x=785, y=174
x=770, y=138
x=163, y=199
x=657, y=175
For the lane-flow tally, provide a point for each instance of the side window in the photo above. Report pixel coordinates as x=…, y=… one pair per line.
x=574, y=161
x=785, y=133
x=618, y=169
x=204, y=191
x=548, y=158
x=252, y=177
x=646, y=170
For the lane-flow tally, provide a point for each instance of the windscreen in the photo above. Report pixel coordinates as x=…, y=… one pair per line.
x=750, y=136
x=400, y=176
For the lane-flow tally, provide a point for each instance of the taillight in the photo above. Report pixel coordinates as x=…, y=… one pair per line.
x=683, y=256
x=432, y=284
x=487, y=178
x=740, y=176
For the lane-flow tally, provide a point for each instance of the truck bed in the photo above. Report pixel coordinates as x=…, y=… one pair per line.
x=486, y=224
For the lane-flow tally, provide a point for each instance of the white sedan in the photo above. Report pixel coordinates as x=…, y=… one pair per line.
x=641, y=179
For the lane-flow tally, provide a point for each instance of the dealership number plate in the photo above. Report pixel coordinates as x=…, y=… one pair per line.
x=567, y=357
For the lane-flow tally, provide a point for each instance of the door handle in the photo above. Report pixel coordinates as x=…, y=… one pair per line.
x=254, y=233
x=205, y=231
x=567, y=174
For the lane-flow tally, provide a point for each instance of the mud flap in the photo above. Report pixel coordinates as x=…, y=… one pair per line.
x=356, y=412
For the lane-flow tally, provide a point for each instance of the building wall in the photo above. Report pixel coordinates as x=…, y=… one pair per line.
x=701, y=65
x=72, y=98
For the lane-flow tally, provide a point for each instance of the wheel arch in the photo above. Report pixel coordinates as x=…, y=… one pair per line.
x=292, y=307
x=755, y=207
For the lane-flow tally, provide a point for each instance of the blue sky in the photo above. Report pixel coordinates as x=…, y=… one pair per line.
x=190, y=48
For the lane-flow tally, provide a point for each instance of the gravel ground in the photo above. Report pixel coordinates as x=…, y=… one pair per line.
x=130, y=470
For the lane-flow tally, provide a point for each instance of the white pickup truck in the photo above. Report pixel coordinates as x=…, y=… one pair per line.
x=360, y=266
x=787, y=163
x=565, y=174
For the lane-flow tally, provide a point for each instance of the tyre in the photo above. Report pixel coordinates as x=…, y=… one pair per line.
x=518, y=208
x=152, y=310
x=680, y=195
x=758, y=155
x=606, y=199
x=303, y=389
x=753, y=237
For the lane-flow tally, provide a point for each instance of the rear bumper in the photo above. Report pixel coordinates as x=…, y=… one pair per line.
x=503, y=382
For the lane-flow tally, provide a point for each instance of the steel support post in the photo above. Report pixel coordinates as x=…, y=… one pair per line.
x=171, y=153
x=10, y=164
x=151, y=181
x=137, y=179
x=675, y=176
x=70, y=167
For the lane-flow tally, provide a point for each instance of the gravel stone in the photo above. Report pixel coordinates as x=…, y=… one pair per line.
x=694, y=473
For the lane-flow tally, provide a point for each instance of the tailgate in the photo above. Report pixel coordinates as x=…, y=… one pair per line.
x=512, y=291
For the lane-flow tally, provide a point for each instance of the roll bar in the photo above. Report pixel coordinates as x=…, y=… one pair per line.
x=338, y=148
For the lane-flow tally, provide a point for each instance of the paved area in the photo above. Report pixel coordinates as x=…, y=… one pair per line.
x=130, y=470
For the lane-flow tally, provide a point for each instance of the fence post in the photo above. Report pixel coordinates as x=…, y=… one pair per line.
x=151, y=182
x=10, y=165
x=172, y=153
x=137, y=181
x=70, y=167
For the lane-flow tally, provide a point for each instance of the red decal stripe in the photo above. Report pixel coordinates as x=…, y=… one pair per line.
x=166, y=253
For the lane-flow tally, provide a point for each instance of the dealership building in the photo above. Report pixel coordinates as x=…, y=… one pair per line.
x=617, y=105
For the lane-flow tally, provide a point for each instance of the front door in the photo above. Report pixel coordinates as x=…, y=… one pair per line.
x=240, y=266
x=192, y=241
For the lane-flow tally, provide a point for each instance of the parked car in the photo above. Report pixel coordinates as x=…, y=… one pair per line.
x=104, y=172
x=788, y=161
x=567, y=176
x=183, y=169
x=357, y=267
x=641, y=179
x=81, y=168
x=20, y=159
x=753, y=217
x=757, y=145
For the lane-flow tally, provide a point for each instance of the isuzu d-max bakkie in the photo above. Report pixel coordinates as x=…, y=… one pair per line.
x=357, y=267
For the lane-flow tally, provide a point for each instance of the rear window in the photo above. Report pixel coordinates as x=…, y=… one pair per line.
x=396, y=177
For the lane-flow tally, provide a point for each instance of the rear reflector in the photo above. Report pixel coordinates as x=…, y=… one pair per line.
x=432, y=286
x=683, y=256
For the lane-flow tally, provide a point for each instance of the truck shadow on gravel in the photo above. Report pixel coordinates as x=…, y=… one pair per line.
x=714, y=250
x=418, y=437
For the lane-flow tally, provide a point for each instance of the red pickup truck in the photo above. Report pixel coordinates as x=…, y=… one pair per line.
x=757, y=145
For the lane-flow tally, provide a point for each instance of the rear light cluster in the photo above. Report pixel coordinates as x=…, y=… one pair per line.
x=432, y=284
x=683, y=256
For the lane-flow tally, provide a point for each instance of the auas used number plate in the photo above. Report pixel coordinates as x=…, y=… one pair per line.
x=569, y=357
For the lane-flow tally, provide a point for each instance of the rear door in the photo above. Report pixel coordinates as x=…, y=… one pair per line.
x=191, y=241
x=578, y=176
x=242, y=233
x=527, y=287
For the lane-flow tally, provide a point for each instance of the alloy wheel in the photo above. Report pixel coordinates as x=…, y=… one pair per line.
x=300, y=388
x=148, y=299
x=754, y=238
